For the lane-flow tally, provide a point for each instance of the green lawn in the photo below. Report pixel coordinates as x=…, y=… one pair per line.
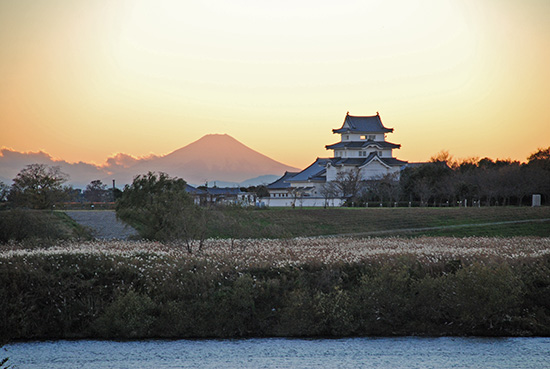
x=457, y=222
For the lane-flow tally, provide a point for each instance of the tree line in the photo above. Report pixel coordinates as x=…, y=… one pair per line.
x=444, y=181
x=39, y=186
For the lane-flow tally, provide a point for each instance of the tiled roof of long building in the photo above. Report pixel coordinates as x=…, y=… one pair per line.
x=282, y=182
x=316, y=172
x=313, y=171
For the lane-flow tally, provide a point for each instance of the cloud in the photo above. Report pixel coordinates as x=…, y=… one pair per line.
x=122, y=161
x=80, y=174
x=119, y=161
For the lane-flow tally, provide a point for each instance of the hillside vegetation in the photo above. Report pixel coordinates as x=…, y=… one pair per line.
x=39, y=226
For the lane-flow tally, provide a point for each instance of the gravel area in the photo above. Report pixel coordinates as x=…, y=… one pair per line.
x=104, y=224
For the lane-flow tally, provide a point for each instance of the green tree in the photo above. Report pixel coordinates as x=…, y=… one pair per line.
x=262, y=191
x=38, y=186
x=160, y=208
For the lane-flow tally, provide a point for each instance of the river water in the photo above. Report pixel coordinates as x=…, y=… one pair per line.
x=403, y=352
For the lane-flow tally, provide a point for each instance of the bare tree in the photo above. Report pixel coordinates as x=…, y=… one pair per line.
x=423, y=189
x=444, y=157
x=540, y=158
x=389, y=187
x=348, y=182
x=329, y=190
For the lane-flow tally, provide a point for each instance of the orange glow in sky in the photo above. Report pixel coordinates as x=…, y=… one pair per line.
x=83, y=80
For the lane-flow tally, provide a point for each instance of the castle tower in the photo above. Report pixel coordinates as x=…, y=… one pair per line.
x=363, y=145
x=361, y=137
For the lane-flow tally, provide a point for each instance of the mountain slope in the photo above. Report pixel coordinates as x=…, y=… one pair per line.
x=214, y=157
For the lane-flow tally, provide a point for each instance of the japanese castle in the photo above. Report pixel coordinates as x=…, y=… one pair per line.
x=362, y=149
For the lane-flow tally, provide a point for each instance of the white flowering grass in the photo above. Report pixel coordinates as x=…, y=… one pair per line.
x=323, y=250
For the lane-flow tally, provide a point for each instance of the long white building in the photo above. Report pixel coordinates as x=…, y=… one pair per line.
x=362, y=150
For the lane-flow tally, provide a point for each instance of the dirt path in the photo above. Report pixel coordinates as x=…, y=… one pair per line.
x=103, y=223
x=412, y=230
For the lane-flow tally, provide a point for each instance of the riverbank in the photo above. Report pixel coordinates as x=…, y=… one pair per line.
x=303, y=287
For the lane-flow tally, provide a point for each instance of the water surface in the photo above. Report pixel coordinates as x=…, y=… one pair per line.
x=404, y=352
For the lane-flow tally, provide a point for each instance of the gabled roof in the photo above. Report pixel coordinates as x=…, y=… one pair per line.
x=312, y=173
x=319, y=177
x=282, y=183
x=362, y=124
x=362, y=144
x=391, y=162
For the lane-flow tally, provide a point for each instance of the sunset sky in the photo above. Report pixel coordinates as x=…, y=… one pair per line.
x=84, y=80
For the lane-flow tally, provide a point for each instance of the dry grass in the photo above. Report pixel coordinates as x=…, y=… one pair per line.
x=253, y=253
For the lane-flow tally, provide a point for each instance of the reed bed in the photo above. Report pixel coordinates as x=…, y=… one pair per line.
x=317, y=286
x=251, y=253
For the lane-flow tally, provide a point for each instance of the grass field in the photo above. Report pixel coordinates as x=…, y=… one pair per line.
x=453, y=222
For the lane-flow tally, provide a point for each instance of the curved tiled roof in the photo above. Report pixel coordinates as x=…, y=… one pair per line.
x=364, y=161
x=315, y=170
x=391, y=162
x=362, y=124
x=362, y=144
x=282, y=182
